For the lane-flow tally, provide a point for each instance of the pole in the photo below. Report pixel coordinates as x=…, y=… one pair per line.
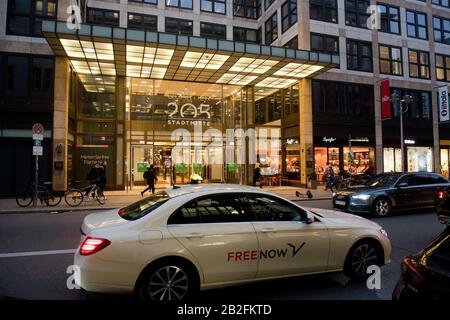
x=401, y=139
x=36, y=182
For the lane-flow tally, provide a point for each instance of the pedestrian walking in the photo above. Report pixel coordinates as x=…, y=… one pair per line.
x=257, y=176
x=150, y=176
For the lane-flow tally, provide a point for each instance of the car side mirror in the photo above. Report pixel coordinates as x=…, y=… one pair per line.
x=402, y=185
x=309, y=217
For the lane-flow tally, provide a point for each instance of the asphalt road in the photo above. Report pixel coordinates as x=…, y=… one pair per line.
x=45, y=276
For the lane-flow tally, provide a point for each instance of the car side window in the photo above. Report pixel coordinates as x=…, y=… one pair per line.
x=423, y=179
x=268, y=208
x=186, y=214
x=224, y=208
x=409, y=179
x=436, y=179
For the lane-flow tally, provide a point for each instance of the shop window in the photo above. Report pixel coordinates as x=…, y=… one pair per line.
x=359, y=161
x=420, y=159
x=292, y=168
x=392, y=160
x=445, y=162
x=321, y=158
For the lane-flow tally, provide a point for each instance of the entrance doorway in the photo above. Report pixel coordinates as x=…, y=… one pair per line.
x=143, y=156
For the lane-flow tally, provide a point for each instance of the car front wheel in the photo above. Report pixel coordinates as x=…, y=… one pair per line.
x=381, y=207
x=168, y=281
x=361, y=256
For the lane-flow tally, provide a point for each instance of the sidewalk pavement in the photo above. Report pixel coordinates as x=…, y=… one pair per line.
x=121, y=198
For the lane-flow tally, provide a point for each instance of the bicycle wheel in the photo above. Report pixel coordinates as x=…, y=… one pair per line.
x=73, y=197
x=52, y=199
x=24, y=199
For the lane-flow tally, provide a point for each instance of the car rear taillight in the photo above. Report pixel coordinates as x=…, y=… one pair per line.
x=410, y=271
x=92, y=245
x=441, y=194
x=122, y=212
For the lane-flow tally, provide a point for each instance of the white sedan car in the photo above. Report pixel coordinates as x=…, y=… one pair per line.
x=173, y=243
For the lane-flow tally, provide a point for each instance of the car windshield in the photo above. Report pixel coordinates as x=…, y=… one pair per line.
x=143, y=207
x=383, y=180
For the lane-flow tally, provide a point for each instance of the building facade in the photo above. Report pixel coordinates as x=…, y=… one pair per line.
x=294, y=83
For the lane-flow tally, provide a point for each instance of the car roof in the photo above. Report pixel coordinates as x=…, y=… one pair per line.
x=207, y=188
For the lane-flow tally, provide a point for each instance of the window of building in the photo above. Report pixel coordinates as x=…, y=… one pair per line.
x=442, y=3
x=247, y=8
x=212, y=30
x=420, y=106
x=184, y=4
x=268, y=3
x=416, y=24
x=292, y=44
x=441, y=29
x=391, y=61
x=288, y=14
x=324, y=43
x=390, y=18
x=42, y=77
x=179, y=26
x=271, y=29
x=356, y=13
x=330, y=98
x=323, y=10
x=359, y=55
x=442, y=68
x=17, y=76
x=419, y=64
x=145, y=1
x=216, y=6
x=246, y=35
x=104, y=17
x=24, y=17
x=142, y=22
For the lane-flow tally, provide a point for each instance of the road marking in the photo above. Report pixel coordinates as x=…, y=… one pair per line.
x=36, y=253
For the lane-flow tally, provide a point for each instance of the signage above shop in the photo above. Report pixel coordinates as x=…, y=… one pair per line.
x=444, y=114
x=328, y=140
x=362, y=139
x=188, y=114
x=409, y=141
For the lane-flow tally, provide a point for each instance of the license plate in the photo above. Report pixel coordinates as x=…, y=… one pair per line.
x=340, y=203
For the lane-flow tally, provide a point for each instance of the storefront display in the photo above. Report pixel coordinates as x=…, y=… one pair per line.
x=358, y=161
x=292, y=159
x=420, y=159
x=392, y=159
x=444, y=162
x=321, y=159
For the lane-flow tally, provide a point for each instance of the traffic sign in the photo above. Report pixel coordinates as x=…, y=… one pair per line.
x=38, y=128
x=37, y=143
x=38, y=136
x=38, y=150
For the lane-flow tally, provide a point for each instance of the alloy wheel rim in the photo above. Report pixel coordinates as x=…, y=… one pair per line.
x=168, y=283
x=382, y=207
x=363, y=257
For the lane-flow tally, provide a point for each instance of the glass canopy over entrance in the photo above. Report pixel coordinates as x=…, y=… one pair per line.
x=190, y=106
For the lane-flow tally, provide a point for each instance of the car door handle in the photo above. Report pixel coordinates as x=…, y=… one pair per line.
x=195, y=235
x=265, y=230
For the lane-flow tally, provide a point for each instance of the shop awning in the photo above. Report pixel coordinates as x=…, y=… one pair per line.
x=100, y=53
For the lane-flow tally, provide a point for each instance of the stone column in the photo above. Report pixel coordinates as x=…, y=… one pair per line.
x=60, y=123
x=306, y=129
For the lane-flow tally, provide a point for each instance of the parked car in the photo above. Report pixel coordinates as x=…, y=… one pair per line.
x=172, y=243
x=443, y=209
x=392, y=191
x=355, y=180
x=426, y=275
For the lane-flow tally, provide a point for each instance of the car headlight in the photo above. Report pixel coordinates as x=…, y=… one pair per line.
x=383, y=232
x=334, y=194
x=361, y=197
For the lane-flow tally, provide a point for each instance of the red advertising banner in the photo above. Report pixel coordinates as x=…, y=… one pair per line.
x=385, y=100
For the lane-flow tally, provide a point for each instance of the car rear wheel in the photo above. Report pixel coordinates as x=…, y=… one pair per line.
x=361, y=256
x=381, y=207
x=168, y=281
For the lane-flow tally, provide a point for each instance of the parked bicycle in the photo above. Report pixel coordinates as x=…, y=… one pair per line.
x=75, y=196
x=44, y=195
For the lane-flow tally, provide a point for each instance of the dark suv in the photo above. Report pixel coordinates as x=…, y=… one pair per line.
x=392, y=191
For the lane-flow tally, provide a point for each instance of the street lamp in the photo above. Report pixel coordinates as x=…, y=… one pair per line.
x=405, y=101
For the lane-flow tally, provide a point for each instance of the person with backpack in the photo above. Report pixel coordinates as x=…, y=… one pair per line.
x=150, y=176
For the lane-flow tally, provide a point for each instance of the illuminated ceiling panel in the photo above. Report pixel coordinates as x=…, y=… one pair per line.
x=199, y=60
x=272, y=82
x=298, y=70
x=232, y=78
x=149, y=55
x=250, y=65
